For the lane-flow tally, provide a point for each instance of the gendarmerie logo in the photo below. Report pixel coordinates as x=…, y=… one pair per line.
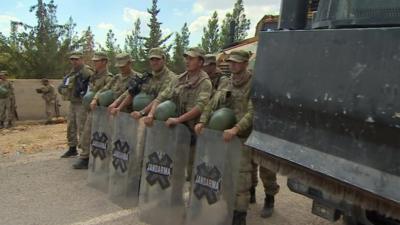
x=120, y=155
x=207, y=183
x=159, y=169
x=99, y=145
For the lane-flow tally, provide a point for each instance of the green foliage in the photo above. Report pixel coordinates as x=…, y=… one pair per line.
x=181, y=44
x=134, y=46
x=112, y=49
x=236, y=21
x=210, y=39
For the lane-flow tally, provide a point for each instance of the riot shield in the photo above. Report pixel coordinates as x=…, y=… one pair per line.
x=100, y=144
x=214, y=180
x=162, y=190
x=126, y=161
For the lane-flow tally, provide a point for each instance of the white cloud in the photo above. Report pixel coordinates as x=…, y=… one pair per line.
x=131, y=15
x=210, y=5
x=198, y=24
x=5, y=21
x=105, y=26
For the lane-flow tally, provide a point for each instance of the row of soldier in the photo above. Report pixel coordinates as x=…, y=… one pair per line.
x=197, y=93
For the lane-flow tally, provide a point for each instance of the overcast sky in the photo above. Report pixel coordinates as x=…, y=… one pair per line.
x=119, y=15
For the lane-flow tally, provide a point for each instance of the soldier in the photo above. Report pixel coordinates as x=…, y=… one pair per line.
x=271, y=188
x=49, y=96
x=191, y=93
x=73, y=88
x=160, y=79
x=236, y=96
x=6, y=101
x=218, y=80
x=120, y=82
x=96, y=82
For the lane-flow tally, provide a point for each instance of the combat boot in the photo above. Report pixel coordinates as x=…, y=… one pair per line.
x=239, y=218
x=268, y=206
x=71, y=152
x=252, y=195
x=81, y=164
x=1, y=124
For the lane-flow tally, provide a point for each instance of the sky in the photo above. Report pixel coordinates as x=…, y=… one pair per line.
x=119, y=15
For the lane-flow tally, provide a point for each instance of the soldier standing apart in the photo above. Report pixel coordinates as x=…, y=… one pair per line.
x=96, y=82
x=236, y=96
x=160, y=79
x=6, y=97
x=191, y=93
x=120, y=82
x=73, y=88
x=49, y=96
x=218, y=80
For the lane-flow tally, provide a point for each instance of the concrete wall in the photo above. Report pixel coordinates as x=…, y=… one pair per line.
x=30, y=105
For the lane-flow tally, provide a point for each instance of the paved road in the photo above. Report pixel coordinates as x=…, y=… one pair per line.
x=41, y=189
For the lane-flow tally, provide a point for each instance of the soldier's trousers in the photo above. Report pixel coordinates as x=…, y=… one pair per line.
x=268, y=179
x=86, y=136
x=76, y=119
x=50, y=110
x=244, y=179
x=5, y=105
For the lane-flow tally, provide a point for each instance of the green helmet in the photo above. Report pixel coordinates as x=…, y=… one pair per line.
x=222, y=119
x=106, y=98
x=87, y=99
x=3, y=92
x=165, y=110
x=140, y=101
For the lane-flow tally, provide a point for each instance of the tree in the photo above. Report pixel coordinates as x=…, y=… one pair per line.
x=112, y=49
x=181, y=44
x=235, y=25
x=40, y=50
x=155, y=38
x=134, y=46
x=87, y=42
x=210, y=39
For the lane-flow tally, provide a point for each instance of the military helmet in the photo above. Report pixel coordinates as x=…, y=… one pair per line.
x=140, y=101
x=3, y=92
x=165, y=110
x=222, y=119
x=87, y=99
x=106, y=98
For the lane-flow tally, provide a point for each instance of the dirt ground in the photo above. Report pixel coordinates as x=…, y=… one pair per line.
x=30, y=139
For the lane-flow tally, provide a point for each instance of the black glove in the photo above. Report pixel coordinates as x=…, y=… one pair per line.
x=135, y=84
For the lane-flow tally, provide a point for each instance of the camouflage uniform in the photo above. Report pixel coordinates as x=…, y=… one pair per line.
x=236, y=96
x=6, y=114
x=187, y=93
x=77, y=113
x=96, y=83
x=159, y=81
x=268, y=179
x=49, y=96
x=218, y=80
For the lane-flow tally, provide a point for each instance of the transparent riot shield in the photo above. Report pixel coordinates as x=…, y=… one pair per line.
x=126, y=161
x=99, y=158
x=214, y=180
x=162, y=189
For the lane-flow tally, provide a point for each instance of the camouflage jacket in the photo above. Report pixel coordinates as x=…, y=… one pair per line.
x=188, y=93
x=8, y=86
x=48, y=93
x=236, y=96
x=99, y=80
x=156, y=84
x=72, y=82
x=218, y=81
x=118, y=84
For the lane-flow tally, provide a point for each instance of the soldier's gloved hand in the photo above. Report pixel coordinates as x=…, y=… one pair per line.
x=93, y=104
x=172, y=122
x=136, y=115
x=199, y=128
x=148, y=120
x=229, y=134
